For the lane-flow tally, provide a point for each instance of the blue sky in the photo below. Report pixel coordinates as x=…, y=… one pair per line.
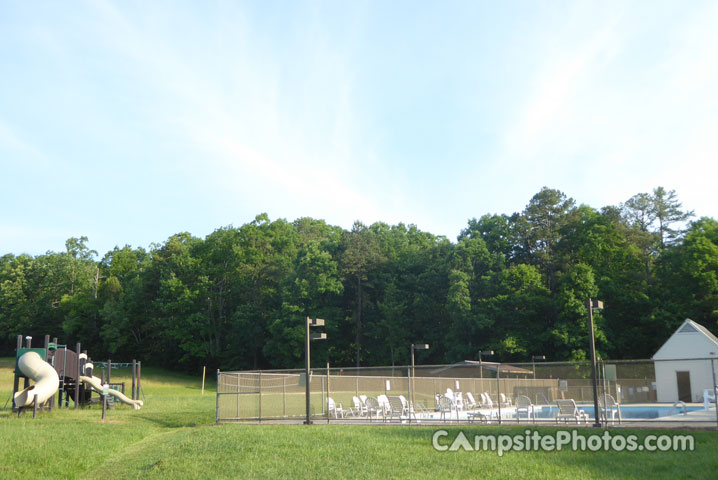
x=129, y=121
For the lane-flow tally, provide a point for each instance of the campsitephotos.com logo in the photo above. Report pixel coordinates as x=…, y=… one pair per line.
x=532, y=440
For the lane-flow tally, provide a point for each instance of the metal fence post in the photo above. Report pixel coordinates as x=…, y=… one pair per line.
x=217, y=400
x=498, y=388
x=410, y=392
x=260, y=395
x=324, y=400
x=239, y=391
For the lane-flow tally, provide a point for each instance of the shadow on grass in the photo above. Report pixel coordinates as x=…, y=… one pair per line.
x=167, y=421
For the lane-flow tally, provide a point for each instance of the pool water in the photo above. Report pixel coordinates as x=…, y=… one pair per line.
x=627, y=411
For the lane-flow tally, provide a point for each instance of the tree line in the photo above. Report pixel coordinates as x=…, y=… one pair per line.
x=516, y=284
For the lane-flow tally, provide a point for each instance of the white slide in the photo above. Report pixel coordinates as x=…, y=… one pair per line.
x=96, y=385
x=43, y=374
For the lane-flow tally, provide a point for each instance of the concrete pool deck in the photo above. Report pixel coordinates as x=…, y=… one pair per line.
x=699, y=419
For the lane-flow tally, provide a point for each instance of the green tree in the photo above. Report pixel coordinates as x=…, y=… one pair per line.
x=543, y=218
x=309, y=291
x=361, y=255
x=667, y=212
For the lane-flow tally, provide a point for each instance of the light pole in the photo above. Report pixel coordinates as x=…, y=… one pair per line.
x=421, y=346
x=593, y=305
x=315, y=322
x=533, y=362
x=481, y=369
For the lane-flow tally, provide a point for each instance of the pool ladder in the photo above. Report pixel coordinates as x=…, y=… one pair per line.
x=679, y=402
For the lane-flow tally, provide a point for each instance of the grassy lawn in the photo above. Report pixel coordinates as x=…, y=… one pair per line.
x=174, y=436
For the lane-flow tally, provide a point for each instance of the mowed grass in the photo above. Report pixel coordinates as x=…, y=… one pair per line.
x=174, y=436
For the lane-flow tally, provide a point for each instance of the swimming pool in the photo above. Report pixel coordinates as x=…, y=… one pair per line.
x=627, y=411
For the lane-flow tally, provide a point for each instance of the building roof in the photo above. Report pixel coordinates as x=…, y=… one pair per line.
x=690, y=340
x=491, y=366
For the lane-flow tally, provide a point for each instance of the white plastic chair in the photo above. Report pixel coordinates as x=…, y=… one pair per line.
x=524, y=405
x=446, y=405
x=567, y=410
x=470, y=401
x=610, y=409
x=359, y=409
x=408, y=407
x=384, y=404
x=335, y=409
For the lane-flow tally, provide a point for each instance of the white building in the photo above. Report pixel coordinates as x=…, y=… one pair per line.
x=679, y=375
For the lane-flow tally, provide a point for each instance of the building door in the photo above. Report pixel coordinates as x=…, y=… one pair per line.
x=684, y=386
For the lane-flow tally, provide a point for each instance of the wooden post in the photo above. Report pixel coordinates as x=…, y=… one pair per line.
x=204, y=369
x=82, y=371
x=77, y=376
x=47, y=359
x=134, y=376
x=28, y=344
x=16, y=379
x=104, y=406
x=52, y=401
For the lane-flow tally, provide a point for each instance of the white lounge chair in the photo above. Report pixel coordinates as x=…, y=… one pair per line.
x=373, y=408
x=505, y=400
x=459, y=400
x=396, y=408
x=359, y=409
x=567, y=410
x=384, y=404
x=450, y=395
x=610, y=409
x=408, y=407
x=486, y=401
x=446, y=405
x=708, y=398
x=470, y=403
x=524, y=405
x=334, y=409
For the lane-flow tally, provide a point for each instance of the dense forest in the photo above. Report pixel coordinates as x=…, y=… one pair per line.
x=515, y=284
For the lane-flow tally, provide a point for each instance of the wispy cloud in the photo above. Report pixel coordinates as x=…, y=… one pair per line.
x=286, y=147
x=11, y=142
x=216, y=113
x=604, y=122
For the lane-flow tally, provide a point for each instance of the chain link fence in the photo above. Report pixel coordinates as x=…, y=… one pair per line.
x=628, y=392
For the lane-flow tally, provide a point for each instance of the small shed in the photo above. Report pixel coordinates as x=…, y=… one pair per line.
x=683, y=363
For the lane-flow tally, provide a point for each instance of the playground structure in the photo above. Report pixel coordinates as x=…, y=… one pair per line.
x=55, y=369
